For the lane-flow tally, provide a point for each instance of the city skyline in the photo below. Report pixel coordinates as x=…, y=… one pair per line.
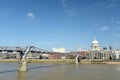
x=60, y=23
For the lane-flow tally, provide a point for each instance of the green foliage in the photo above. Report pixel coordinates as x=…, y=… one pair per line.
x=40, y=57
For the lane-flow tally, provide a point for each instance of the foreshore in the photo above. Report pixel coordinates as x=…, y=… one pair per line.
x=66, y=61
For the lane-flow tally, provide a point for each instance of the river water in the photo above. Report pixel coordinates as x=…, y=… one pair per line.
x=41, y=71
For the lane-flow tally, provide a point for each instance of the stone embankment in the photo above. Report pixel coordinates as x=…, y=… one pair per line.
x=66, y=61
x=112, y=62
x=99, y=62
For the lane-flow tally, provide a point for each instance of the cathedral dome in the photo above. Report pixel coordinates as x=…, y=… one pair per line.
x=95, y=41
x=95, y=45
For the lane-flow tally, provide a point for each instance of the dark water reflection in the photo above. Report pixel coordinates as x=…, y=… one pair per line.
x=8, y=71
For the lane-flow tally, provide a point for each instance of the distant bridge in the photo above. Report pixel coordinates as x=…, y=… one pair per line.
x=9, y=49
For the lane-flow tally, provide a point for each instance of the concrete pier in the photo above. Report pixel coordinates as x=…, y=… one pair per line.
x=77, y=59
x=22, y=65
x=23, y=61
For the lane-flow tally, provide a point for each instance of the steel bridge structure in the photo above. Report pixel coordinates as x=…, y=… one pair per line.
x=9, y=49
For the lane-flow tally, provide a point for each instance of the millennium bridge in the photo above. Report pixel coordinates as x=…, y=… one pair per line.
x=10, y=49
x=23, y=52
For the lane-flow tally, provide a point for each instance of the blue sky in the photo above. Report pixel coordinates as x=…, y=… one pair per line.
x=60, y=23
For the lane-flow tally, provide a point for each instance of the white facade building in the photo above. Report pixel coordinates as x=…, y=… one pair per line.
x=61, y=50
x=95, y=45
x=116, y=54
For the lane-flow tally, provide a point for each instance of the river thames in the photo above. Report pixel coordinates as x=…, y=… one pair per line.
x=42, y=71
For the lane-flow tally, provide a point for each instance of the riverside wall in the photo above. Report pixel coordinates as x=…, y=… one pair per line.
x=66, y=61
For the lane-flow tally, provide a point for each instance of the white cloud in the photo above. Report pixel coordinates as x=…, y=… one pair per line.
x=115, y=18
x=115, y=22
x=117, y=28
x=110, y=5
x=64, y=4
x=68, y=7
x=116, y=35
x=104, y=28
x=70, y=12
x=97, y=5
x=31, y=15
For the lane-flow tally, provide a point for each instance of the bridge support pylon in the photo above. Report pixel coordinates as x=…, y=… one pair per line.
x=23, y=60
x=77, y=59
x=22, y=65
